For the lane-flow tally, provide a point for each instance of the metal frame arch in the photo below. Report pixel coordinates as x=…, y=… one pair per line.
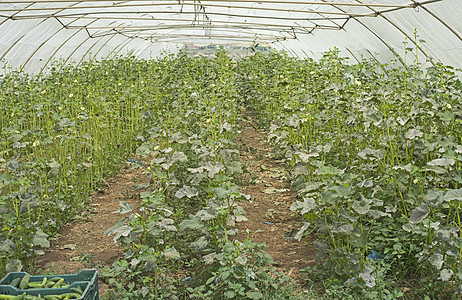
x=90, y=48
x=352, y=54
x=80, y=45
x=457, y=34
x=102, y=46
x=128, y=40
x=40, y=46
x=60, y=46
x=17, y=41
x=121, y=46
x=41, y=22
x=377, y=36
x=141, y=50
x=418, y=46
x=12, y=45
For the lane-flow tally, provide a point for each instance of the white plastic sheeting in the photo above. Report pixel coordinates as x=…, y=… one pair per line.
x=33, y=34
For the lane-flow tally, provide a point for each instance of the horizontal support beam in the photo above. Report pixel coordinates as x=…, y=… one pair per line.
x=205, y=26
x=200, y=22
x=76, y=15
x=231, y=32
x=180, y=7
x=205, y=3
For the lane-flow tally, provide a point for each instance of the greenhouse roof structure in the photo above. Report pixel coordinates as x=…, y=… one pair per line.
x=35, y=33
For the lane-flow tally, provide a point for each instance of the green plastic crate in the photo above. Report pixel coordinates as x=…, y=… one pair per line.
x=87, y=280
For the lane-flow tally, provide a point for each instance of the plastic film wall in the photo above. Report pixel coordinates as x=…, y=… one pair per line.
x=34, y=34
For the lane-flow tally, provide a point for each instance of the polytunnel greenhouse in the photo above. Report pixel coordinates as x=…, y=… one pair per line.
x=230, y=149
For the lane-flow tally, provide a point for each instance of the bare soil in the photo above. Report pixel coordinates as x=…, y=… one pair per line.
x=270, y=219
x=82, y=243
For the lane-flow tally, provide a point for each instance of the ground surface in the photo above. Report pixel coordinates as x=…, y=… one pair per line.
x=270, y=219
x=82, y=243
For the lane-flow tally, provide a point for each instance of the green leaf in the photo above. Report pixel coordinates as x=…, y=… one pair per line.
x=121, y=231
x=368, y=277
x=186, y=191
x=328, y=197
x=419, y=213
x=144, y=150
x=305, y=157
x=221, y=192
x=207, y=214
x=413, y=134
x=434, y=198
x=210, y=280
x=191, y=223
x=124, y=208
x=377, y=214
x=371, y=154
x=172, y=253
x=179, y=156
x=14, y=265
x=446, y=274
x=167, y=224
x=343, y=229
x=446, y=116
x=436, y=260
x=230, y=294
x=199, y=244
x=300, y=169
x=209, y=258
x=150, y=265
x=327, y=170
x=7, y=246
x=242, y=260
x=160, y=175
x=234, y=167
x=299, y=234
x=41, y=239
x=442, y=162
x=292, y=121
x=141, y=186
x=213, y=168
x=436, y=169
x=362, y=207
x=342, y=191
x=226, y=126
x=455, y=194
x=254, y=295
x=225, y=275
x=306, y=206
x=309, y=188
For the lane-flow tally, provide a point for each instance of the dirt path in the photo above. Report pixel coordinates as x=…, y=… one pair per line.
x=82, y=243
x=270, y=219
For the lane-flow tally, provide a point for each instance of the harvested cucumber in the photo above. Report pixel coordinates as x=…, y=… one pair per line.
x=71, y=296
x=15, y=282
x=58, y=283
x=24, y=282
x=44, y=282
x=77, y=290
x=34, y=285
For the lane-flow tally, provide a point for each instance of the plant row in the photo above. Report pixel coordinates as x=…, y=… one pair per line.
x=375, y=153
x=65, y=132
